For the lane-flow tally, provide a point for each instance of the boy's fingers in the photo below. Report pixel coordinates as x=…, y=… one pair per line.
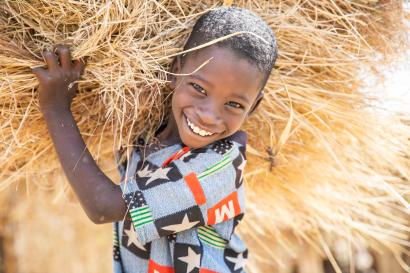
x=80, y=64
x=64, y=55
x=50, y=58
x=39, y=71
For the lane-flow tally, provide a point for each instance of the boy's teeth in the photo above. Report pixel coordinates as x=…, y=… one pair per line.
x=197, y=130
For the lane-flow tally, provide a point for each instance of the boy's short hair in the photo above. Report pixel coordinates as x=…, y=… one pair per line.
x=227, y=20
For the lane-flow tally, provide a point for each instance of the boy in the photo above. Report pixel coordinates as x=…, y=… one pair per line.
x=178, y=204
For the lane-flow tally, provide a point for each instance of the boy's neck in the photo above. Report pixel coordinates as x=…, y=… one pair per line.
x=170, y=135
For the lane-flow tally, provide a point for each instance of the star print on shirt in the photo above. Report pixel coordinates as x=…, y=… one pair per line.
x=179, y=221
x=235, y=261
x=150, y=175
x=187, y=258
x=186, y=224
x=131, y=242
x=160, y=173
x=239, y=164
x=192, y=260
x=144, y=172
x=155, y=200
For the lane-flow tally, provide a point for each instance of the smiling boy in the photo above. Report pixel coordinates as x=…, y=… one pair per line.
x=177, y=207
x=213, y=102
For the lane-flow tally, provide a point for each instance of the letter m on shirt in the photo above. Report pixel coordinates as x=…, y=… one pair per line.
x=226, y=209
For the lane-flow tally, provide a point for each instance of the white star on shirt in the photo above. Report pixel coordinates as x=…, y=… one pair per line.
x=192, y=260
x=144, y=172
x=238, y=261
x=241, y=167
x=132, y=238
x=183, y=226
x=160, y=173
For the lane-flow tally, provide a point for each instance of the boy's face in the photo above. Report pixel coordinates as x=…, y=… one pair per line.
x=213, y=102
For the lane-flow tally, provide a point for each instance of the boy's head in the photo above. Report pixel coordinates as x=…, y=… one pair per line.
x=213, y=102
x=228, y=20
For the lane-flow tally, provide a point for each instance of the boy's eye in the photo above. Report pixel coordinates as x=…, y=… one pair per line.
x=198, y=88
x=232, y=104
x=235, y=104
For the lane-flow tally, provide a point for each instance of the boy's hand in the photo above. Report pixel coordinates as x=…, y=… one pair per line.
x=100, y=197
x=58, y=82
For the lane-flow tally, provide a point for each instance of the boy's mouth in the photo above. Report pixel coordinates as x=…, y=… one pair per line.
x=196, y=130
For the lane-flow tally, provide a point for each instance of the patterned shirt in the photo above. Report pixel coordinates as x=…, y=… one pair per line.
x=183, y=207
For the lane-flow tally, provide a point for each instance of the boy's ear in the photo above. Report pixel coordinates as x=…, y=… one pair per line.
x=256, y=102
x=176, y=69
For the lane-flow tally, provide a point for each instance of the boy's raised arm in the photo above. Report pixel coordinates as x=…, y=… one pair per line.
x=100, y=198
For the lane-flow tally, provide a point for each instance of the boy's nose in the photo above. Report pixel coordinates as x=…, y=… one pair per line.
x=209, y=116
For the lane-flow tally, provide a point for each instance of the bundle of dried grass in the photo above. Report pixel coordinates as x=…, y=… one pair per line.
x=320, y=161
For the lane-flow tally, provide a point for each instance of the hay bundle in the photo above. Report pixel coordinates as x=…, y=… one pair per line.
x=320, y=161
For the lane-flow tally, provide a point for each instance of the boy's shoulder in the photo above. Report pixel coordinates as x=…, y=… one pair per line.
x=238, y=140
x=240, y=137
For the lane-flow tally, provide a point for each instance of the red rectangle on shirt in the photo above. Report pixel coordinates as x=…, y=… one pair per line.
x=195, y=186
x=203, y=270
x=226, y=209
x=153, y=267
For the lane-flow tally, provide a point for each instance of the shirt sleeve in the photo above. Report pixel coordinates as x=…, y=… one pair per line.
x=203, y=187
